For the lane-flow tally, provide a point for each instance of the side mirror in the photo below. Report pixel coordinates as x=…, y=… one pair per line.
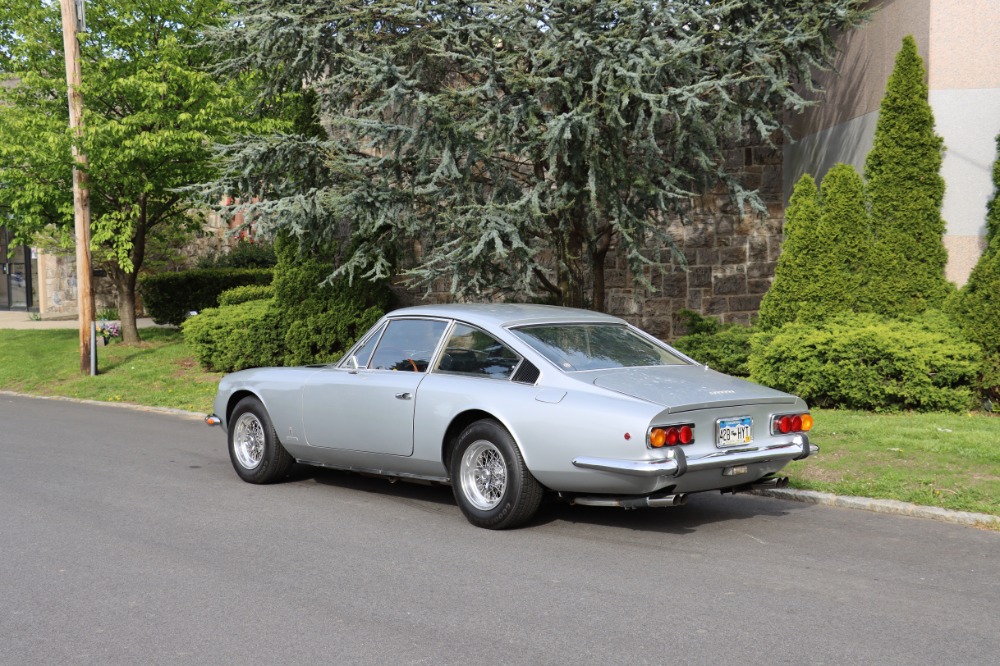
x=354, y=365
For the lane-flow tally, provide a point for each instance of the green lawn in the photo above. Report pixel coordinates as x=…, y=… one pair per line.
x=945, y=460
x=160, y=372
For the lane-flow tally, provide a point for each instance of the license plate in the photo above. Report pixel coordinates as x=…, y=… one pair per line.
x=734, y=432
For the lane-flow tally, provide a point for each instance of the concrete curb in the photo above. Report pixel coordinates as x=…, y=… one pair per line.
x=981, y=520
x=194, y=416
x=894, y=507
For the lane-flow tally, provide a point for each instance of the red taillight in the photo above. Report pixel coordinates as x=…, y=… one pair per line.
x=792, y=423
x=671, y=435
x=686, y=434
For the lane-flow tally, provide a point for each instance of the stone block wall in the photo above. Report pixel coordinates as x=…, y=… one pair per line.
x=58, y=271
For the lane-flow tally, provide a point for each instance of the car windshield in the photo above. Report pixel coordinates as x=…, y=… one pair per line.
x=575, y=347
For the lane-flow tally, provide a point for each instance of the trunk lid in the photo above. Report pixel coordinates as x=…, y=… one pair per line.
x=681, y=388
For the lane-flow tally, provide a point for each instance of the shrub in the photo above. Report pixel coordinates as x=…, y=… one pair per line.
x=245, y=254
x=321, y=317
x=169, y=297
x=235, y=337
x=843, y=238
x=794, y=277
x=725, y=348
x=974, y=306
x=248, y=292
x=906, y=190
x=865, y=361
x=989, y=383
x=307, y=319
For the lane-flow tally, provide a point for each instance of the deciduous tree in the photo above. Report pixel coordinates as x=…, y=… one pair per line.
x=152, y=116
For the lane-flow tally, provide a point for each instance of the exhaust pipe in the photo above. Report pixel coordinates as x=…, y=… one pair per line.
x=679, y=499
x=773, y=482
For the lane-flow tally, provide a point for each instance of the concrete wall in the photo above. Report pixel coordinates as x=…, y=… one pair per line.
x=959, y=41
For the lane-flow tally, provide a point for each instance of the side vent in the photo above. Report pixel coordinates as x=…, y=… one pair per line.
x=526, y=373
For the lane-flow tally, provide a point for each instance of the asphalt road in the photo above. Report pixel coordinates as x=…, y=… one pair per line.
x=126, y=538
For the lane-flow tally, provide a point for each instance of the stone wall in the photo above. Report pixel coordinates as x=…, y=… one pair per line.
x=58, y=271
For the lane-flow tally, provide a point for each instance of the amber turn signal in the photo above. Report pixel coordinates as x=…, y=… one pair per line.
x=657, y=437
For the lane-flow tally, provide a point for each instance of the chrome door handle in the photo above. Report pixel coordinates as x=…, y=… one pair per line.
x=404, y=396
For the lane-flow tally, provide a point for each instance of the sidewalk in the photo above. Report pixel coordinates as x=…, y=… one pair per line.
x=23, y=321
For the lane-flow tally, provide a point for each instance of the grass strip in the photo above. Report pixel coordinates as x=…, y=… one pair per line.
x=937, y=459
x=160, y=372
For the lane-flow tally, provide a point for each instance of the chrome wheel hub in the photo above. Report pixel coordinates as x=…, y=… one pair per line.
x=248, y=441
x=483, y=475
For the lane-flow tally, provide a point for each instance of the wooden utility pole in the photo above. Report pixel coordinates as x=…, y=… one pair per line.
x=81, y=193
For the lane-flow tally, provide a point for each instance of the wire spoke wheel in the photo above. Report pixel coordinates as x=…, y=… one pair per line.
x=248, y=441
x=483, y=475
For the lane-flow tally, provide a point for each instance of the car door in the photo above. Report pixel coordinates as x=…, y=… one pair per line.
x=371, y=408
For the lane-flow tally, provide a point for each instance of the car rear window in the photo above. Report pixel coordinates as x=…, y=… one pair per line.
x=575, y=347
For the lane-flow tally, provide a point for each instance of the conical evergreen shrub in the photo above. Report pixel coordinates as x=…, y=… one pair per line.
x=977, y=304
x=841, y=246
x=795, y=274
x=905, y=190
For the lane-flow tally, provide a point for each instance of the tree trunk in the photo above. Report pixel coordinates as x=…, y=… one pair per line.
x=125, y=288
x=598, y=255
x=125, y=282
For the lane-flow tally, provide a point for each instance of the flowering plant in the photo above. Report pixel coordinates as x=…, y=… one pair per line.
x=108, y=330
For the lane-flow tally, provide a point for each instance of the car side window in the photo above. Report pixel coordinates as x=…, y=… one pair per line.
x=470, y=351
x=364, y=352
x=407, y=345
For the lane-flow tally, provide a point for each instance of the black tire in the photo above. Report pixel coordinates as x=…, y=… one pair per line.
x=485, y=452
x=254, y=449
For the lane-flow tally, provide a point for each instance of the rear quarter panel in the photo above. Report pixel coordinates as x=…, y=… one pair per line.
x=551, y=426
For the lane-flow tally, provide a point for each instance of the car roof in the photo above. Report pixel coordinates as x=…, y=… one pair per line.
x=507, y=314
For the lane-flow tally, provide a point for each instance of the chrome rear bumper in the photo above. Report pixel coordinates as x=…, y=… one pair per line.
x=678, y=464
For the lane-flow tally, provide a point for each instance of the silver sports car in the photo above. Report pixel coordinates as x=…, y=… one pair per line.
x=510, y=402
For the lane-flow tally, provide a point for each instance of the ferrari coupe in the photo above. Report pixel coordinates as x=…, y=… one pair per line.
x=508, y=403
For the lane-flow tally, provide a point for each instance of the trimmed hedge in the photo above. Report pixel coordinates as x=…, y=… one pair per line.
x=246, y=293
x=246, y=254
x=723, y=347
x=169, y=297
x=867, y=362
x=308, y=319
x=235, y=337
